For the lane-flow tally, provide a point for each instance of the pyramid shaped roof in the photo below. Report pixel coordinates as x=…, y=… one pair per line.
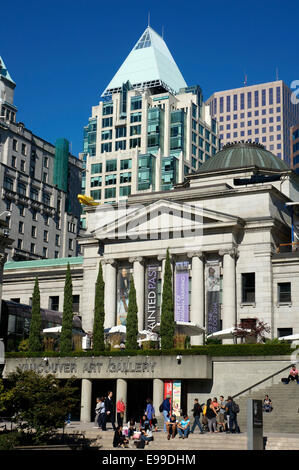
x=149, y=64
x=4, y=72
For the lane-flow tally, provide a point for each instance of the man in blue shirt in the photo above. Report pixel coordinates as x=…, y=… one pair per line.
x=184, y=427
x=166, y=410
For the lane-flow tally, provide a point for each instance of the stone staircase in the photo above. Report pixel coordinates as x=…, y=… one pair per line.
x=284, y=417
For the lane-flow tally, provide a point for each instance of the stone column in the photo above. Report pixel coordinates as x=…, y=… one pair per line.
x=229, y=317
x=138, y=268
x=158, y=395
x=121, y=392
x=163, y=259
x=197, y=309
x=110, y=293
x=86, y=391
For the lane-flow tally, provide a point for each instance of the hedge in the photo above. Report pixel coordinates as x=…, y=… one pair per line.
x=210, y=350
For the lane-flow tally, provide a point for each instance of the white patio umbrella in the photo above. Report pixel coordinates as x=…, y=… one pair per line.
x=289, y=338
x=226, y=334
x=56, y=331
x=117, y=329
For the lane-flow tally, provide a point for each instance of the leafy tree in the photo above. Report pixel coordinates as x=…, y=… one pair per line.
x=67, y=317
x=167, y=324
x=99, y=314
x=255, y=331
x=132, y=319
x=39, y=404
x=35, y=343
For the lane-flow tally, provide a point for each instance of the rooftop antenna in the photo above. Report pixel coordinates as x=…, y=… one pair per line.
x=245, y=79
x=163, y=31
x=148, y=18
x=276, y=73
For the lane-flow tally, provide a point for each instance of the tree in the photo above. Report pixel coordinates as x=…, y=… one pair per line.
x=99, y=314
x=67, y=317
x=35, y=343
x=254, y=330
x=39, y=404
x=132, y=319
x=167, y=323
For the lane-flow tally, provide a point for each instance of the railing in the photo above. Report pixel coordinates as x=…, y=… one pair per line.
x=262, y=381
x=288, y=247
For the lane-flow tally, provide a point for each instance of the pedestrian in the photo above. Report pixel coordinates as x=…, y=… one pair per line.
x=97, y=411
x=197, y=410
x=150, y=412
x=166, y=410
x=211, y=414
x=132, y=426
x=215, y=404
x=232, y=410
x=109, y=411
x=184, y=427
x=102, y=414
x=222, y=414
x=171, y=426
x=120, y=411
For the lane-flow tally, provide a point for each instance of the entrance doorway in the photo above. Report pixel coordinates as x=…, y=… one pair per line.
x=100, y=388
x=138, y=392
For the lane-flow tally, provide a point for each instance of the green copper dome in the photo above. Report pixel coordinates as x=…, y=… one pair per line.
x=243, y=154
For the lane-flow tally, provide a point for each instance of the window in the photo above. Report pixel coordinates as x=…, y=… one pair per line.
x=107, y=122
x=32, y=248
x=110, y=192
x=70, y=244
x=120, y=132
x=235, y=102
x=76, y=303
x=21, y=227
x=22, y=189
x=45, y=252
x=95, y=181
x=14, y=162
x=23, y=149
x=249, y=100
x=111, y=165
x=33, y=231
x=22, y=165
x=15, y=145
x=34, y=194
x=135, y=117
x=96, y=194
x=46, y=233
x=96, y=168
x=126, y=164
x=22, y=210
x=136, y=102
x=135, y=143
x=34, y=215
x=57, y=240
x=107, y=135
x=20, y=244
x=125, y=178
x=120, y=145
x=256, y=99
x=106, y=147
x=248, y=287
x=135, y=130
x=110, y=180
x=107, y=109
x=8, y=183
x=46, y=199
x=263, y=97
x=284, y=292
x=284, y=332
x=46, y=162
x=125, y=190
x=54, y=302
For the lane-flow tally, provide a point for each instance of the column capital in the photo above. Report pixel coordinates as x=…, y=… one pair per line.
x=196, y=254
x=161, y=257
x=109, y=261
x=233, y=252
x=139, y=259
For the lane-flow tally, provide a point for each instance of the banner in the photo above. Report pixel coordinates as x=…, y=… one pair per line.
x=123, y=289
x=151, y=297
x=176, y=397
x=213, y=297
x=168, y=390
x=182, y=291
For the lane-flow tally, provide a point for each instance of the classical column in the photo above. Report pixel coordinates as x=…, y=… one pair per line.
x=229, y=316
x=86, y=391
x=138, y=269
x=110, y=293
x=158, y=394
x=163, y=259
x=121, y=392
x=197, y=293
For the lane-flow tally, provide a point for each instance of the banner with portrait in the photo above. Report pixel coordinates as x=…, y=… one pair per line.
x=123, y=289
x=212, y=283
x=151, y=297
x=176, y=397
x=181, y=305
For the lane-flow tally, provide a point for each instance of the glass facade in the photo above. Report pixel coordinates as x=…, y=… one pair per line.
x=155, y=129
x=146, y=172
x=169, y=175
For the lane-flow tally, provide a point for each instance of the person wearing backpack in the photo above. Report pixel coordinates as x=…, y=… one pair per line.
x=165, y=409
x=197, y=410
x=232, y=409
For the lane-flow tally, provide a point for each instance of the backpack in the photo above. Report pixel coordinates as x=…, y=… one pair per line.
x=161, y=408
x=235, y=407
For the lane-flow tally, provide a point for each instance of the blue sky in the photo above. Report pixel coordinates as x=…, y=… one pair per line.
x=62, y=54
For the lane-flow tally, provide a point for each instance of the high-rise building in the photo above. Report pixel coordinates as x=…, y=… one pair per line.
x=294, y=133
x=149, y=130
x=259, y=113
x=39, y=184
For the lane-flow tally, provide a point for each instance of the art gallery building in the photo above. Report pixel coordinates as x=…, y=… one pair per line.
x=228, y=229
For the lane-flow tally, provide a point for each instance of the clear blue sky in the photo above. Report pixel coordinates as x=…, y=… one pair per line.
x=62, y=54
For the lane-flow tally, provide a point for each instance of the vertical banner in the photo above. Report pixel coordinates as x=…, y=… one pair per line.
x=151, y=297
x=176, y=397
x=168, y=390
x=213, y=297
x=182, y=291
x=123, y=289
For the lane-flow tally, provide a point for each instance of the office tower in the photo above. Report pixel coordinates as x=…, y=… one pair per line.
x=294, y=134
x=259, y=113
x=39, y=182
x=149, y=130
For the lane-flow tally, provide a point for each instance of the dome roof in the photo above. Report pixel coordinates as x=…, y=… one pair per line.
x=241, y=155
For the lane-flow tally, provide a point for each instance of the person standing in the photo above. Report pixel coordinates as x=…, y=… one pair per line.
x=197, y=410
x=109, y=411
x=120, y=411
x=150, y=411
x=231, y=410
x=211, y=414
x=222, y=413
x=166, y=410
x=97, y=411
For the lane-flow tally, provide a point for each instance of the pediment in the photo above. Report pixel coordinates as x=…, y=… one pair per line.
x=160, y=217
